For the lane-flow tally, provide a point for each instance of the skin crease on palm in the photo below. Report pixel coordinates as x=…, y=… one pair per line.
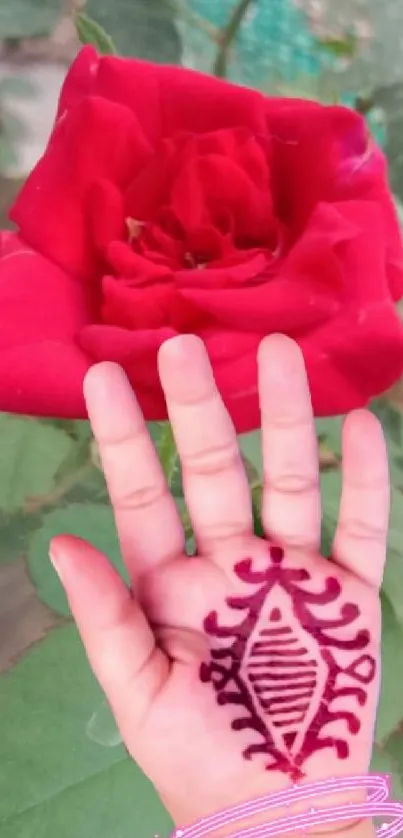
x=189, y=657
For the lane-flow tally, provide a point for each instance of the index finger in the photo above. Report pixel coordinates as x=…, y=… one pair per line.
x=147, y=520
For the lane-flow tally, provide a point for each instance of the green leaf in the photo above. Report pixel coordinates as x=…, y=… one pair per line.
x=160, y=436
x=394, y=751
x=90, y=522
x=257, y=521
x=329, y=430
x=79, y=456
x=390, y=711
x=90, y=32
x=392, y=584
x=251, y=448
x=168, y=455
x=58, y=781
x=383, y=762
x=392, y=423
x=391, y=420
x=330, y=482
x=30, y=455
x=393, y=578
x=102, y=728
x=143, y=29
x=344, y=47
x=395, y=540
x=29, y=18
x=327, y=535
x=15, y=535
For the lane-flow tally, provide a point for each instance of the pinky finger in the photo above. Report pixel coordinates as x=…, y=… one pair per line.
x=361, y=537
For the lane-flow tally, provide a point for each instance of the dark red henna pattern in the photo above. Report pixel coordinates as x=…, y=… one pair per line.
x=266, y=668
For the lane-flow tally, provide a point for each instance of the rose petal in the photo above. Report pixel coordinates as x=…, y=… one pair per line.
x=228, y=276
x=149, y=190
x=395, y=277
x=136, y=308
x=358, y=354
x=105, y=213
x=111, y=343
x=97, y=140
x=137, y=353
x=165, y=99
x=44, y=379
x=356, y=359
x=325, y=153
x=320, y=153
x=392, y=235
x=348, y=364
x=41, y=366
x=209, y=186
x=38, y=301
x=363, y=255
x=277, y=305
x=236, y=380
x=226, y=345
x=314, y=259
x=127, y=263
x=80, y=80
x=150, y=307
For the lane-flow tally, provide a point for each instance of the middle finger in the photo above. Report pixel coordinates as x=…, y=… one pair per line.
x=215, y=484
x=291, y=508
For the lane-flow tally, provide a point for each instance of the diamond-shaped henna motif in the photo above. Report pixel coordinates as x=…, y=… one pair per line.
x=277, y=667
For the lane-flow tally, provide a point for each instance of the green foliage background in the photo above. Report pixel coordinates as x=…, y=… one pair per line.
x=63, y=768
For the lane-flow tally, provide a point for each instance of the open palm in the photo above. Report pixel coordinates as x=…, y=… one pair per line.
x=255, y=663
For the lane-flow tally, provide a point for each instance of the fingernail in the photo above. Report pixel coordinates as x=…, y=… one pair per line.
x=55, y=558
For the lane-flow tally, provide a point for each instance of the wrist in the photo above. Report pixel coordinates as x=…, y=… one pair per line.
x=322, y=809
x=357, y=829
x=362, y=828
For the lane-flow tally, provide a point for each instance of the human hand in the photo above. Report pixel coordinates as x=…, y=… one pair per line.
x=256, y=663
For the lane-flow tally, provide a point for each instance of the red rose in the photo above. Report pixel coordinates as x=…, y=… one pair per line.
x=168, y=201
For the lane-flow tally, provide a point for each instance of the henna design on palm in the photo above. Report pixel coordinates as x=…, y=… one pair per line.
x=280, y=665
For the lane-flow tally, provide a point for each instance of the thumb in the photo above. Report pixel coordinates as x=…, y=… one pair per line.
x=117, y=637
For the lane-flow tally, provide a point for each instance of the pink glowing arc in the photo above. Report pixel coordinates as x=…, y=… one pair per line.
x=376, y=805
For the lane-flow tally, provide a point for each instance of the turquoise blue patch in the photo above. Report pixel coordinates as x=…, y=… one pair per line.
x=274, y=43
x=274, y=40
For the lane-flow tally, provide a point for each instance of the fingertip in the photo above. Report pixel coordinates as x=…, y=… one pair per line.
x=99, y=376
x=364, y=452
x=64, y=551
x=275, y=341
x=90, y=580
x=178, y=349
x=185, y=370
x=283, y=381
x=278, y=351
x=362, y=430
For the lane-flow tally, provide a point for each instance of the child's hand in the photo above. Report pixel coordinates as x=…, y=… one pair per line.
x=255, y=664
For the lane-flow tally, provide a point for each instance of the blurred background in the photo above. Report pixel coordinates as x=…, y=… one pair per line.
x=63, y=769
x=349, y=51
